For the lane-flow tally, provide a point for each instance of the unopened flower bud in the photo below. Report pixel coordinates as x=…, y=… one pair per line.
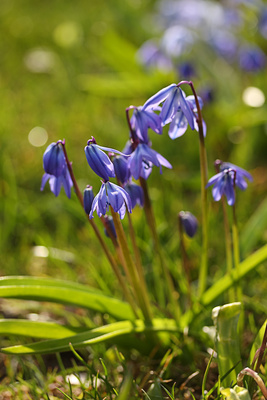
x=88, y=197
x=189, y=223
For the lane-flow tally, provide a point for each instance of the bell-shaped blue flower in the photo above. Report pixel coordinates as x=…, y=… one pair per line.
x=224, y=182
x=111, y=195
x=121, y=169
x=143, y=119
x=110, y=223
x=144, y=155
x=136, y=194
x=54, y=159
x=252, y=58
x=189, y=223
x=56, y=182
x=98, y=160
x=88, y=197
x=173, y=99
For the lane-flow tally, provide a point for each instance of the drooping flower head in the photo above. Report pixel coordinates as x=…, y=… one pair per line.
x=136, y=194
x=142, y=119
x=88, y=197
x=54, y=159
x=121, y=169
x=189, y=223
x=111, y=195
x=224, y=182
x=142, y=157
x=57, y=182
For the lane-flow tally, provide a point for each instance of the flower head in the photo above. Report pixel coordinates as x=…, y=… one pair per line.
x=143, y=156
x=98, y=160
x=142, y=119
x=56, y=182
x=88, y=197
x=111, y=195
x=224, y=182
x=136, y=194
x=121, y=169
x=189, y=223
x=54, y=159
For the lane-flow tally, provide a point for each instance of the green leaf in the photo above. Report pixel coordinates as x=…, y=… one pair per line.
x=111, y=333
x=227, y=341
x=227, y=280
x=36, y=329
x=257, y=342
x=63, y=292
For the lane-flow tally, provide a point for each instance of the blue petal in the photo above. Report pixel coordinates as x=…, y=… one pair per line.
x=186, y=109
x=159, y=97
x=229, y=190
x=215, y=179
x=54, y=159
x=115, y=198
x=99, y=162
x=178, y=125
x=170, y=106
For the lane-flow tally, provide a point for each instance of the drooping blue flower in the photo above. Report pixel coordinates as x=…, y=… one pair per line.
x=151, y=56
x=98, y=160
x=136, y=194
x=54, y=159
x=111, y=195
x=174, y=102
x=121, y=169
x=56, y=182
x=189, y=223
x=110, y=223
x=225, y=181
x=143, y=155
x=88, y=197
x=142, y=119
x=240, y=174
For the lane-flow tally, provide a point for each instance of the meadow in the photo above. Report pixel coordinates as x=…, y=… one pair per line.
x=133, y=316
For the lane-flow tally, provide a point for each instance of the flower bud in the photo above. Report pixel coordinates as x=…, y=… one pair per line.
x=88, y=197
x=189, y=223
x=54, y=160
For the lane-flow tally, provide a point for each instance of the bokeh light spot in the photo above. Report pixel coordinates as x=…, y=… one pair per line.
x=68, y=34
x=253, y=97
x=40, y=60
x=38, y=136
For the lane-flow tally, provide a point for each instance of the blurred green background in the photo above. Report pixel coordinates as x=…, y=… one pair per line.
x=69, y=70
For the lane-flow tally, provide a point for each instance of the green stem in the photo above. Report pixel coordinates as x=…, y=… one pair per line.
x=204, y=179
x=236, y=253
x=109, y=256
x=130, y=265
x=185, y=261
x=172, y=293
x=228, y=248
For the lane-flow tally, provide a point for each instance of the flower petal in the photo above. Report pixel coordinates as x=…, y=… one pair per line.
x=159, y=97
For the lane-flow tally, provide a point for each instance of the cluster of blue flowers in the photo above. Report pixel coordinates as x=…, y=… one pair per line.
x=189, y=23
x=170, y=106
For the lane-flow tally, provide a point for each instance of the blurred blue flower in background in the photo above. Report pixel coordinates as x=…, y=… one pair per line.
x=189, y=223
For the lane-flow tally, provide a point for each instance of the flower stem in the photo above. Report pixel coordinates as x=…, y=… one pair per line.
x=109, y=256
x=236, y=253
x=144, y=305
x=204, y=178
x=172, y=293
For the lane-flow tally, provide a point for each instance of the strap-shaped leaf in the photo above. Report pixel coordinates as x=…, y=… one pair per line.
x=57, y=291
x=37, y=329
x=113, y=333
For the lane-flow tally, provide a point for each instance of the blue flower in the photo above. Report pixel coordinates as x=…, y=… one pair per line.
x=136, y=194
x=88, y=197
x=252, y=58
x=142, y=157
x=121, y=169
x=189, y=223
x=224, y=182
x=98, y=160
x=110, y=223
x=142, y=119
x=175, y=109
x=54, y=159
x=56, y=182
x=111, y=195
